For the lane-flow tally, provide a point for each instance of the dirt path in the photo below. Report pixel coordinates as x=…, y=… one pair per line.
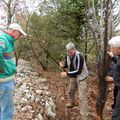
x=57, y=87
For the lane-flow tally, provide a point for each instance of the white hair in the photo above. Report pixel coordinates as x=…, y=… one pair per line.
x=70, y=45
x=114, y=42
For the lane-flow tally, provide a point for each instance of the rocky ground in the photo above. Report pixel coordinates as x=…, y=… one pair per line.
x=41, y=95
x=33, y=99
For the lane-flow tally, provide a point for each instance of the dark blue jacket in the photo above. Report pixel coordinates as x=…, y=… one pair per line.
x=115, y=71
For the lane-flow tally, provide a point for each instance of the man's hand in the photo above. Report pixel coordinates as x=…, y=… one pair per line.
x=61, y=64
x=109, y=79
x=110, y=54
x=63, y=74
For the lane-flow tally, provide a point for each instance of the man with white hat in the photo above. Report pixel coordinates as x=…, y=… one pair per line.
x=8, y=69
x=114, y=53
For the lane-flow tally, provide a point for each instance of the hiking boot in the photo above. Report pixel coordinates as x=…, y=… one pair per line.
x=70, y=105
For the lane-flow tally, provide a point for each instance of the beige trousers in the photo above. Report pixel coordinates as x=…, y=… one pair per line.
x=81, y=86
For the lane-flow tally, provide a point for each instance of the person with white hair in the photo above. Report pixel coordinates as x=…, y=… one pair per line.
x=8, y=69
x=114, y=53
x=78, y=73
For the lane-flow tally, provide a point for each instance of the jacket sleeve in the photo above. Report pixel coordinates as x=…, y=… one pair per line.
x=2, y=65
x=118, y=61
x=114, y=59
x=111, y=70
x=79, y=66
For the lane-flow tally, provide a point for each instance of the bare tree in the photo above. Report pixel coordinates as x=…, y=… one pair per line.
x=9, y=7
x=102, y=25
x=12, y=9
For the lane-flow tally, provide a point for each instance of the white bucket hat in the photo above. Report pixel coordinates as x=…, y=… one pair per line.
x=15, y=26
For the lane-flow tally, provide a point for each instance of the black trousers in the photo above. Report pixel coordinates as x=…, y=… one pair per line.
x=116, y=110
x=115, y=96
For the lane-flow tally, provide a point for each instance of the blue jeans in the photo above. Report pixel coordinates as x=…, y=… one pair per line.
x=6, y=100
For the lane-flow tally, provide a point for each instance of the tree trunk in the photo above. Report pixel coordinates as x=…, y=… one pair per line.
x=103, y=69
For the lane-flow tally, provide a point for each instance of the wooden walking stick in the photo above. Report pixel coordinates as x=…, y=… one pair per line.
x=65, y=98
x=64, y=91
